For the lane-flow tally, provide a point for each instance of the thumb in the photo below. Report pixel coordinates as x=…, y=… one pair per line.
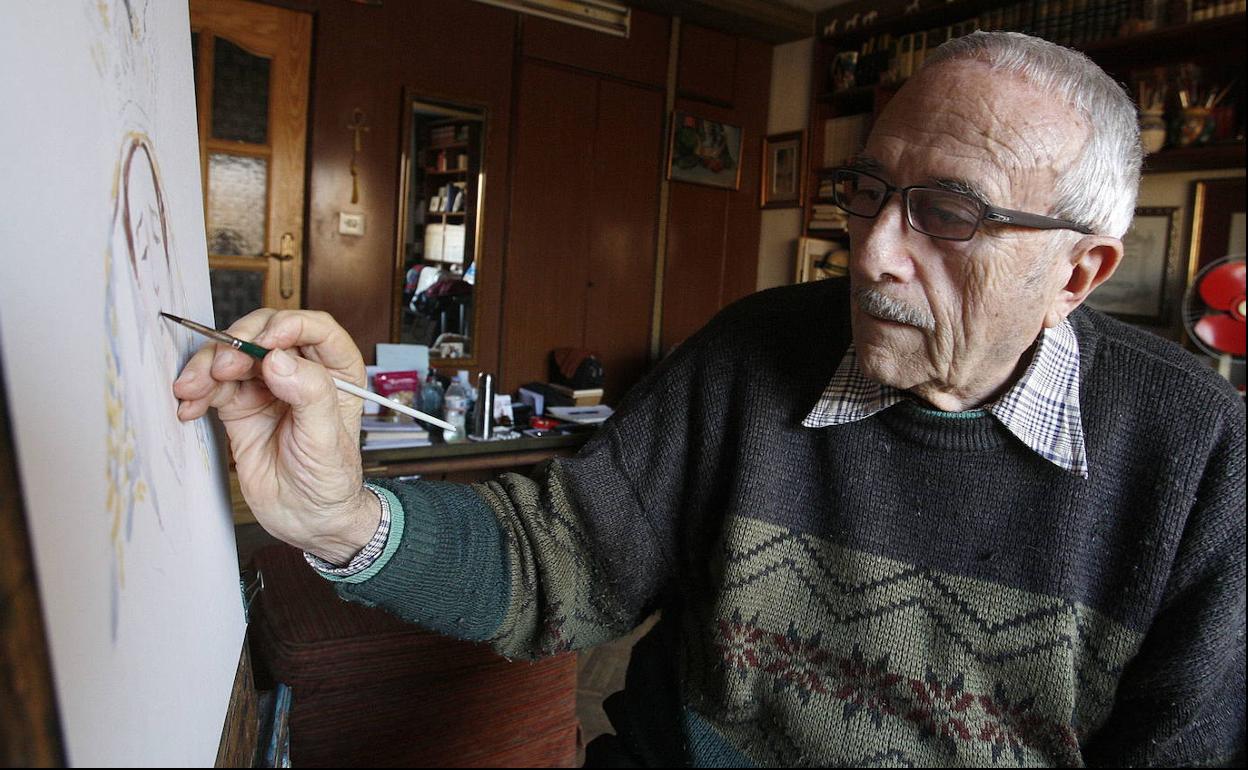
x=307, y=387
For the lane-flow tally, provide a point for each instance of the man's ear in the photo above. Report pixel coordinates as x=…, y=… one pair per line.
x=1093, y=259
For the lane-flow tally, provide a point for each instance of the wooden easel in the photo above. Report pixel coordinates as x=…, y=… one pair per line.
x=30, y=728
x=30, y=732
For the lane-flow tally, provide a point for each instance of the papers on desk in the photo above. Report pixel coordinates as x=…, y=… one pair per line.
x=581, y=415
x=402, y=443
x=379, y=434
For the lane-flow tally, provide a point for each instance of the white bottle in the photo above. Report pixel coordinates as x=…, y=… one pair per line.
x=455, y=410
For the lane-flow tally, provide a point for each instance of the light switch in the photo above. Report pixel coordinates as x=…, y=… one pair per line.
x=350, y=224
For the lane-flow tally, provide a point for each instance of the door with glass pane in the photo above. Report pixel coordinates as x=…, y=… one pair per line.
x=251, y=90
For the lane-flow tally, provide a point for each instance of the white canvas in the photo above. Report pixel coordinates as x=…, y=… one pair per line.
x=102, y=227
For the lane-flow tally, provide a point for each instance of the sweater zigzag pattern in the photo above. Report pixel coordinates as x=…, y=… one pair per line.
x=906, y=589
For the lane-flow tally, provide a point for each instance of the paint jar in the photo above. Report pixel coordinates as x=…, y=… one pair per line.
x=1152, y=131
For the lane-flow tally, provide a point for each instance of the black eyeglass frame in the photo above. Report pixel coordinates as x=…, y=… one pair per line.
x=986, y=212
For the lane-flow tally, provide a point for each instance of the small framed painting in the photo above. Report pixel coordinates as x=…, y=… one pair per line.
x=702, y=151
x=782, y=171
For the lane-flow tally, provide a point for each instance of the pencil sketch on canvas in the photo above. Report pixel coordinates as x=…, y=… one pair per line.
x=143, y=356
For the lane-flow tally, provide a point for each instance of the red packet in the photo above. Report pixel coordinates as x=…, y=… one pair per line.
x=403, y=387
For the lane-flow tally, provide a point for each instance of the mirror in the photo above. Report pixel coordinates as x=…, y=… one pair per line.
x=442, y=182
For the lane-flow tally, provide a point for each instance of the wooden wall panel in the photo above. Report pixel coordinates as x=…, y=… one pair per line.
x=750, y=104
x=694, y=275
x=363, y=57
x=712, y=238
x=708, y=64
x=641, y=57
x=547, y=265
x=458, y=50
x=628, y=154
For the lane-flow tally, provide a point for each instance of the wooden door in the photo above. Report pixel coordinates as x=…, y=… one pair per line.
x=584, y=211
x=251, y=91
x=547, y=270
x=624, y=215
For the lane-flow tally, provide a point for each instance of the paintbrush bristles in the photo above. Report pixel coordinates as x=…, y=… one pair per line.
x=207, y=331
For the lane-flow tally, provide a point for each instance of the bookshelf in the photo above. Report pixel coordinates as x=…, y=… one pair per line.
x=449, y=167
x=441, y=189
x=867, y=49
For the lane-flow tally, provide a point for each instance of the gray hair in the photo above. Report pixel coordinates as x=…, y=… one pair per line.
x=1099, y=190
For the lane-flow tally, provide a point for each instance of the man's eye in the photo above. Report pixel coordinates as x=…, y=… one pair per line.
x=948, y=216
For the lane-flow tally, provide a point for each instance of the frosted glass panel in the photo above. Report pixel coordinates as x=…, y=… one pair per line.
x=240, y=94
x=236, y=204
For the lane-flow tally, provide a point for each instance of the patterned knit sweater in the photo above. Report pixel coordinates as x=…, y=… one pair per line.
x=909, y=589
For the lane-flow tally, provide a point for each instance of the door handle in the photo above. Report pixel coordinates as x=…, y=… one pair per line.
x=285, y=255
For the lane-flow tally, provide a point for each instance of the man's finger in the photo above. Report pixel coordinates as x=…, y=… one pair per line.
x=320, y=339
x=306, y=386
x=195, y=380
x=230, y=364
x=251, y=325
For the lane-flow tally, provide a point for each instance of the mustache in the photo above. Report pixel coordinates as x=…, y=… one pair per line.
x=876, y=303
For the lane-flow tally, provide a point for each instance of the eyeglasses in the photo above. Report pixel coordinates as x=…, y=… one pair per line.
x=944, y=214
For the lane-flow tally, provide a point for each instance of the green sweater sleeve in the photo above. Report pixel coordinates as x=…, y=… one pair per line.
x=447, y=568
x=586, y=547
x=535, y=566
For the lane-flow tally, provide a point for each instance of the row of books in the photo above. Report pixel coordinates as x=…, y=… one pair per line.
x=1212, y=9
x=826, y=216
x=450, y=134
x=444, y=161
x=450, y=197
x=540, y=395
x=888, y=58
x=376, y=433
x=842, y=137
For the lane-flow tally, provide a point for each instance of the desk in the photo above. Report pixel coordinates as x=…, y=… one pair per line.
x=465, y=461
x=461, y=460
x=469, y=705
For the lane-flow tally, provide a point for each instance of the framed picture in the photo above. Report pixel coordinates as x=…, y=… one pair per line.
x=1217, y=221
x=702, y=151
x=1138, y=291
x=818, y=259
x=782, y=171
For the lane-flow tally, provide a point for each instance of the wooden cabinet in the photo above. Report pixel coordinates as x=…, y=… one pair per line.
x=582, y=228
x=868, y=48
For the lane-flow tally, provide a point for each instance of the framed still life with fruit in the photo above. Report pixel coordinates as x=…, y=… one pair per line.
x=702, y=151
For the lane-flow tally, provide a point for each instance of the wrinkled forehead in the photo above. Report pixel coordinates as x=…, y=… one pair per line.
x=996, y=131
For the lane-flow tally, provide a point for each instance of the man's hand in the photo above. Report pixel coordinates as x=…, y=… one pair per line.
x=294, y=436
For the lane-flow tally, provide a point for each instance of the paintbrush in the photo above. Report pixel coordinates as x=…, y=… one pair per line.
x=256, y=351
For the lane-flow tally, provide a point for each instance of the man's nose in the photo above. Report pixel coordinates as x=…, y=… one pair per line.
x=882, y=249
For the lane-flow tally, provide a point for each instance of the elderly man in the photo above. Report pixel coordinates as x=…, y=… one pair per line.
x=987, y=527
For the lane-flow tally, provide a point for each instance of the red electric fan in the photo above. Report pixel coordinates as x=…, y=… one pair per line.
x=1213, y=311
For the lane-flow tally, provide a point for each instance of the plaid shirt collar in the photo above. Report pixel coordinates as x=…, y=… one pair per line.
x=1041, y=410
